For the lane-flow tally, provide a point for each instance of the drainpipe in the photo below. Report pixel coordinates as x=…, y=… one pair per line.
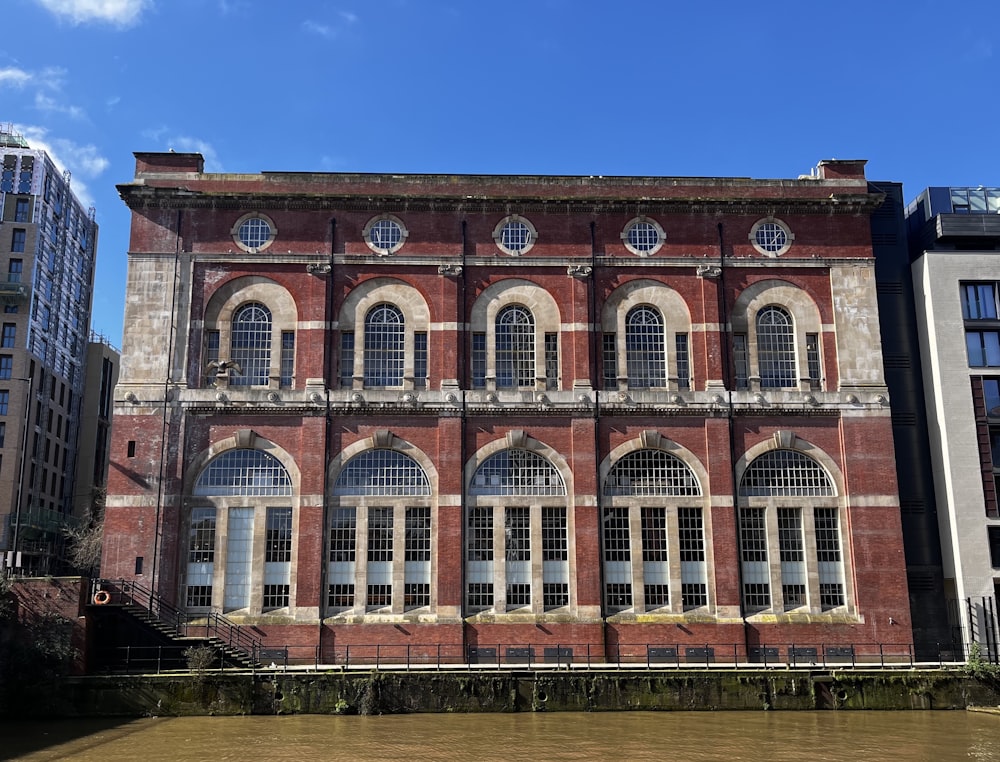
x=328, y=424
x=730, y=380
x=165, y=423
x=592, y=318
x=465, y=381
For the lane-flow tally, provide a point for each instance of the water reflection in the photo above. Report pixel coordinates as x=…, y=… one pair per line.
x=773, y=736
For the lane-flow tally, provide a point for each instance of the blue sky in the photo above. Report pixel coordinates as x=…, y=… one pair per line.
x=720, y=87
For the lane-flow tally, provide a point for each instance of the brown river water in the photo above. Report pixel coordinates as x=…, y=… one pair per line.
x=759, y=736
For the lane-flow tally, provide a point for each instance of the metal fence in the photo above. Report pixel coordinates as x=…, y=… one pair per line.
x=535, y=656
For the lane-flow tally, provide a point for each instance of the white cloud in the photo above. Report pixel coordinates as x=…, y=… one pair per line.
x=327, y=30
x=51, y=78
x=14, y=77
x=83, y=161
x=47, y=104
x=117, y=12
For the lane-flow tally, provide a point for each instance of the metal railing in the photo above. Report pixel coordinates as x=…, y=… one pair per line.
x=215, y=626
x=545, y=656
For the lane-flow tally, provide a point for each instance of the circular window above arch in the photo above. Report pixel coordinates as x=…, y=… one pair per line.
x=514, y=235
x=771, y=237
x=254, y=232
x=385, y=234
x=643, y=236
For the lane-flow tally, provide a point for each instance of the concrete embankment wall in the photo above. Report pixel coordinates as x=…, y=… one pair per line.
x=271, y=693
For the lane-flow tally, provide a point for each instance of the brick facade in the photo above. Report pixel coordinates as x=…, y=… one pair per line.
x=572, y=416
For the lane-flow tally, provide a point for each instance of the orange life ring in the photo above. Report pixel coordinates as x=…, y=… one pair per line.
x=101, y=597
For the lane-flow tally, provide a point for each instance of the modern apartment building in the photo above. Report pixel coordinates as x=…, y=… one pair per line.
x=48, y=243
x=582, y=413
x=955, y=241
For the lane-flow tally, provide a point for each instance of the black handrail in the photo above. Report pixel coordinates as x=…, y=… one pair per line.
x=128, y=592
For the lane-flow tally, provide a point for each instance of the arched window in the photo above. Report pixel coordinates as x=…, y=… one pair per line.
x=636, y=537
x=251, y=345
x=517, y=512
x=517, y=472
x=776, y=348
x=397, y=479
x=515, y=348
x=785, y=497
x=384, y=346
x=382, y=472
x=644, y=348
x=253, y=538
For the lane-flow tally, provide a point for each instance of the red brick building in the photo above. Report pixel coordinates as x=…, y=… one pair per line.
x=481, y=411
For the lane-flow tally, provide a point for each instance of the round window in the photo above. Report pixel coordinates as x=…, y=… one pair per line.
x=253, y=232
x=771, y=237
x=515, y=235
x=642, y=236
x=384, y=234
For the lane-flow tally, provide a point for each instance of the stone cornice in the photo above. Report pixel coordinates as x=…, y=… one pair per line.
x=138, y=196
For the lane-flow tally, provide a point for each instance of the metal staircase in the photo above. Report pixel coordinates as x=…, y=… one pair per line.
x=234, y=644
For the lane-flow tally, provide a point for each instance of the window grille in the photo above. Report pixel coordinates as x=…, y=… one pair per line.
x=776, y=349
x=480, y=595
x=683, y=361
x=418, y=534
x=643, y=236
x=384, y=346
x=4, y=401
x=382, y=472
x=741, y=361
x=812, y=357
x=6, y=367
x=244, y=472
x=791, y=552
x=341, y=596
x=657, y=595
x=198, y=596
x=829, y=558
x=618, y=594
x=255, y=232
x=654, y=534
x=753, y=557
x=201, y=544
x=478, y=360
x=18, y=240
x=251, y=345
x=343, y=535
x=785, y=473
x=517, y=534
x=515, y=236
x=518, y=594
x=380, y=534
x=275, y=596
x=517, y=472
x=416, y=595
x=385, y=235
x=379, y=596
x=481, y=534
x=691, y=536
x=287, y=357
x=610, y=353
x=21, y=210
x=555, y=595
x=9, y=338
x=515, y=348
x=554, y=534
x=278, y=535
x=15, y=269
x=420, y=360
x=551, y=361
x=616, y=535
x=644, y=350
x=346, y=359
x=211, y=355
x=651, y=472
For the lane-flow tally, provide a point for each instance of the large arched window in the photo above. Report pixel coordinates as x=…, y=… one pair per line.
x=644, y=348
x=251, y=345
x=776, y=348
x=239, y=532
x=788, y=509
x=378, y=493
x=653, y=535
x=515, y=348
x=516, y=517
x=384, y=346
